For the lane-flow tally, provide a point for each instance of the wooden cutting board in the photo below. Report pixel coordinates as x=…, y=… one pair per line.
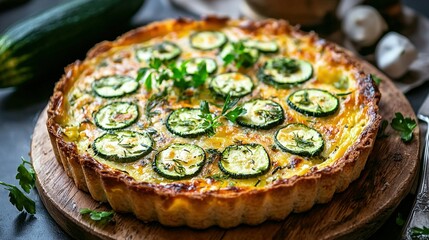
x=354, y=214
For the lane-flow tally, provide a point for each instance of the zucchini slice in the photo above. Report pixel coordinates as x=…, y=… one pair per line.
x=165, y=51
x=246, y=56
x=114, y=86
x=192, y=65
x=207, y=40
x=179, y=160
x=116, y=115
x=285, y=72
x=122, y=145
x=187, y=122
x=298, y=139
x=262, y=46
x=314, y=102
x=236, y=84
x=261, y=114
x=245, y=161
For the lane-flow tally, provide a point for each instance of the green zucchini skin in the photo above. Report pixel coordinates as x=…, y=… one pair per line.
x=227, y=163
x=226, y=83
x=272, y=76
x=305, y=108
x=114, y=110
x=41, y=46
x=193, y=152
x=144, y=146
x=309, y=147
x=220, y=37
x=187, y=123
x=271, y=113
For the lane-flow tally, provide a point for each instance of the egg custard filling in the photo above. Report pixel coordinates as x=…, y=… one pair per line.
x=217, y=107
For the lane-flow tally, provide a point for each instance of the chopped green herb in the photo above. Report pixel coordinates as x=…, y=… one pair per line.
x=305, y=100
x=381, y=130
x=286, y=66
x=301, y=142
x=404, y=126
x=101, y=216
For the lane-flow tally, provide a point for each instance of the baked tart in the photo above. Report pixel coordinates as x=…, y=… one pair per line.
x=214, y=122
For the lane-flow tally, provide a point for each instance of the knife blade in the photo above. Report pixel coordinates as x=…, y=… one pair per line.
x=419, y=216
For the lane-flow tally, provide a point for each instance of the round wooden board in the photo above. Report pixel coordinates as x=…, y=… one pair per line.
x=354, y=214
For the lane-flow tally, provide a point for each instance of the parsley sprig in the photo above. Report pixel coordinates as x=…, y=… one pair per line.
x=27, y=178
x=404, y=126
x=99, y=216
x=227, y=111
x=240, y=54
x=174, y=71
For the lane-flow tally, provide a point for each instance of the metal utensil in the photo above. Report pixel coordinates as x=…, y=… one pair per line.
x=419, y=216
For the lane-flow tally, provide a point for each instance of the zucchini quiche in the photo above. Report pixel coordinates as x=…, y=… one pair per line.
x=214, y=122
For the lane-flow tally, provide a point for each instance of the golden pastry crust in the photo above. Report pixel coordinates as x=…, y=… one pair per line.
x=181, y=203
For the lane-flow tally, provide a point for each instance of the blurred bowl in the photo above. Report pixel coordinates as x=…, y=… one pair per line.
x=303, y=12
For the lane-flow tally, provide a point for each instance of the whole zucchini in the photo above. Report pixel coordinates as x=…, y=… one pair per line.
x=41, y=46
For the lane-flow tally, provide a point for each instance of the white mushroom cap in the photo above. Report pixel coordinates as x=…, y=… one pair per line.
x=394, y=54
x=363, y=25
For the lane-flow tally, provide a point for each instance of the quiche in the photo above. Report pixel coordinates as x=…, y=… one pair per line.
x=214, y=122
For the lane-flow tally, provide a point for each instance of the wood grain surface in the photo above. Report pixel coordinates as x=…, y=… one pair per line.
x=353, y=214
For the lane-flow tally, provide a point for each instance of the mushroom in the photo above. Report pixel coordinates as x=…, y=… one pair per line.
x=363, y=25
x=394, y=54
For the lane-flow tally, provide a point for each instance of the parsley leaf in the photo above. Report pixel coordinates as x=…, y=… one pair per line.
x=235, y=113
x=19, y=199
x=155, y=63
x=229, y=114
x=229, y=103
x=146, y=74
x=376, y=79
x=213, y=122
x=404, y=126
x=242, y=56
x=184, y=80
x=420, y=232
x=381, y=130
x=101, y=216
x=26, y=177
x=400, y=220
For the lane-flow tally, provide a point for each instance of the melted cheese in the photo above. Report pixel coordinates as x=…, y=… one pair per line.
x=339, y=131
